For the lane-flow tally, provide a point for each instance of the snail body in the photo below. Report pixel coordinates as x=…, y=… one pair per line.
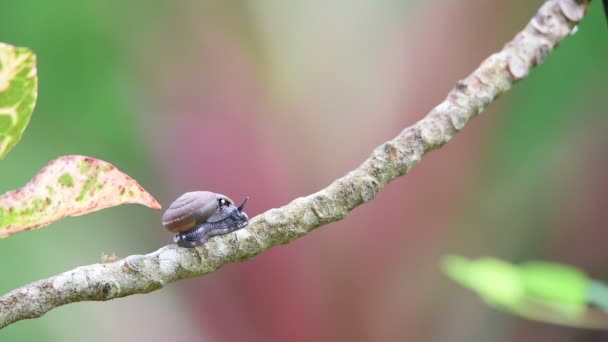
x=196, y=216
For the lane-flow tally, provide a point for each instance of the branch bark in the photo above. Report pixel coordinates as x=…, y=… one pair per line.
x=554, y=21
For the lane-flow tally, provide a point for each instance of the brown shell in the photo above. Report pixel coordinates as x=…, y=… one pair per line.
x=190, y=209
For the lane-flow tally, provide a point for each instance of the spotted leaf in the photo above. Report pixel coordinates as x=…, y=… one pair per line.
x=18, y=91
x=68, y=186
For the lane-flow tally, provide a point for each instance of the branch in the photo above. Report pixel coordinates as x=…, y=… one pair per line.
x=145, y=273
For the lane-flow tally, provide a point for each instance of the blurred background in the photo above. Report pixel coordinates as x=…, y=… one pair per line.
x=275, y=99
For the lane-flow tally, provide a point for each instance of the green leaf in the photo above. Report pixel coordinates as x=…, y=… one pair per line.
x=68, y=186
x=18, y=92
x=497, y=282
x=555, y=282
x=542, y=291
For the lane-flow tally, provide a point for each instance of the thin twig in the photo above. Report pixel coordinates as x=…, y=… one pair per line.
x=145, y=273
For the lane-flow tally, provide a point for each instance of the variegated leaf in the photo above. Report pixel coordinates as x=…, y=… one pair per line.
x=68, y=186
x=18, y=91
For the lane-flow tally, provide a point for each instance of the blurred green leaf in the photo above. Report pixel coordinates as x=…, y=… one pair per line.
x=68, y=186
x=18, y=91
x=555, y=282
x=541, y=291
x=497, y=282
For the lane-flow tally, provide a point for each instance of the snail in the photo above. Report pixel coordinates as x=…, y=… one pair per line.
x=196, y=216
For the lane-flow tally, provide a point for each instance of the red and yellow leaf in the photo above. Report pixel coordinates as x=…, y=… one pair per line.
x=68, y=186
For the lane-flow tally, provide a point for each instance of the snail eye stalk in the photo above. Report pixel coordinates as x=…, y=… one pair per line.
x=242, y=206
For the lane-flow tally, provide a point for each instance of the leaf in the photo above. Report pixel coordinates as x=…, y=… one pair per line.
x=541, y=291
x=68, y=186
x=555, y=282
x=497, y=282
x=18, y=92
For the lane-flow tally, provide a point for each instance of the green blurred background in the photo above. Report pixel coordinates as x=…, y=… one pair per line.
x=274, y=100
